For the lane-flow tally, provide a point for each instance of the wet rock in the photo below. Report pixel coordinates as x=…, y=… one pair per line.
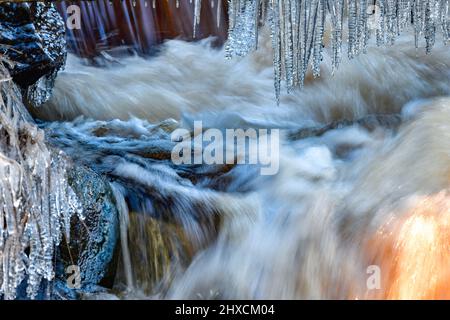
x=32, y=39
x=92, y=243
x=92, y=246
x=370, y=123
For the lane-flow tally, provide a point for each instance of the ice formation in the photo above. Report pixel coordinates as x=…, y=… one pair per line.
x=302, y=28
x=36, y=203
x=298, y=29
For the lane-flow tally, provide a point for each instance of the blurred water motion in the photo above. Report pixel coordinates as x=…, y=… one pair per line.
x=363, y=159
x=364, y=170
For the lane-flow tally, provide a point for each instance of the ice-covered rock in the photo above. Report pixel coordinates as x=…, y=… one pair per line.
x=52, y=213
x=36, y=202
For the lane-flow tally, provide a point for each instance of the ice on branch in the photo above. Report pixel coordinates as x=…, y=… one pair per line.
x=297, y=29
x=36, y=203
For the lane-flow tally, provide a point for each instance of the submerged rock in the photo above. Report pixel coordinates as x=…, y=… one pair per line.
x=32, y=39
x=167, y=250
x=369, y=122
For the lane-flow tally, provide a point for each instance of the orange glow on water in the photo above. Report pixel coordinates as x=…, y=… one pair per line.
x=415, y=252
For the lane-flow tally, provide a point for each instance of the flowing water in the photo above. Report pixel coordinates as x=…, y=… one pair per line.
x=364, y=173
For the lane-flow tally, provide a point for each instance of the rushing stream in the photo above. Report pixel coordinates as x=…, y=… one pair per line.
x=363, y=176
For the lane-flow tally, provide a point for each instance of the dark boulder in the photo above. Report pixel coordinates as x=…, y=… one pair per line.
x=32, y=38
x=92, y=244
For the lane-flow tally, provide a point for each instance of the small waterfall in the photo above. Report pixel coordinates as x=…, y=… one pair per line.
x=165, y=218
x=363, y=158
x=124, y=219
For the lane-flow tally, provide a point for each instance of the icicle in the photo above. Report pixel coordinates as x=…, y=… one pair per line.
x=219, y=13
x=36, y=202
x=197, y=11
x=319, y=30
x=243, y=20
x=297, y=29
x=276, y=43
x=336, y=9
